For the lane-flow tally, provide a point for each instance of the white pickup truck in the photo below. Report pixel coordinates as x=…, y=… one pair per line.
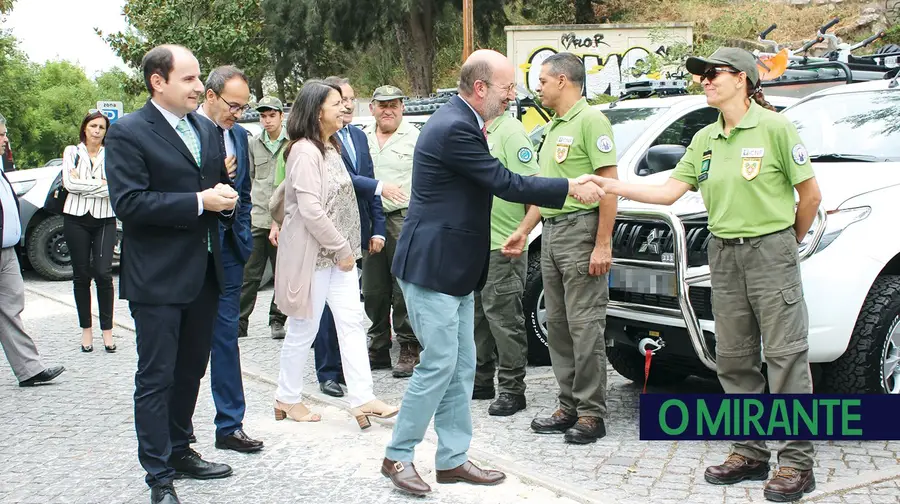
x=850, y=258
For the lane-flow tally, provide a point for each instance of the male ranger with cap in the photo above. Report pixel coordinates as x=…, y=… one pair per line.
x=499, y=320
x=391, y=144
x=265, y=155
x=576, y=252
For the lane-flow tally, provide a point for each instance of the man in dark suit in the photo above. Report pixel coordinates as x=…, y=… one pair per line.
x=169, y=187
x=355, y=153
x=227, y=97
x=442, y=258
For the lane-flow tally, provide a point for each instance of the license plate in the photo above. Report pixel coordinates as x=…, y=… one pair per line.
x=642, y=280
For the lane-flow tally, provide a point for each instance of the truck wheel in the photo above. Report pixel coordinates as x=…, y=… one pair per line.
x=629, y=363
x=47, y=250
x=535, y=314
x=871, y=363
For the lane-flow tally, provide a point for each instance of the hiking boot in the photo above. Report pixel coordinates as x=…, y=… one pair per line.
x=789, y=484
x=735, y=469
x=409, y=357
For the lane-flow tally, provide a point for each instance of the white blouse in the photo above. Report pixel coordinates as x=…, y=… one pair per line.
x=85, y=181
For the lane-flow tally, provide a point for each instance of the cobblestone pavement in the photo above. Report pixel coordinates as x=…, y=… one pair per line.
x=94, y=403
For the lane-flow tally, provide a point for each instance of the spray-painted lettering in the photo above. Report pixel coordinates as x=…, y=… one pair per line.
x=570, y=40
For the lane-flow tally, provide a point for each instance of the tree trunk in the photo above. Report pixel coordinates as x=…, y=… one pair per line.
x=415, y=37
x=257, y=87
x=584, y=12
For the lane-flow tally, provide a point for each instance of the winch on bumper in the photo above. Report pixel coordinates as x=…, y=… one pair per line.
x=660, y=289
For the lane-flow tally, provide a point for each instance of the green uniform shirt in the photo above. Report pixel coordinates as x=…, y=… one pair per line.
x=273, y=145
x=510, y=144
x=747, y=178
x=576, y=144
x=394, y=161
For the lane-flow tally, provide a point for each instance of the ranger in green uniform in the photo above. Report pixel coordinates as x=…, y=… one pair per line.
x=576, y=253
x=746, y=166
x=499, y=320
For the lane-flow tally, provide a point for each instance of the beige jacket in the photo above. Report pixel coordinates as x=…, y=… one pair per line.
x=305, y=228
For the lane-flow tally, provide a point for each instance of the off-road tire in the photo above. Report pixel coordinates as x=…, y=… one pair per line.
x=538, y=352
x=630, y=364
x=859, y=369
x=39, y=254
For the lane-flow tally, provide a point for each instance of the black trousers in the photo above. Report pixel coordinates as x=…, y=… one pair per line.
x=173, y=343
x=91, y=242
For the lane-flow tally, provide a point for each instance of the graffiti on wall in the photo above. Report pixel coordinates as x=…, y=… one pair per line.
x=606, y=73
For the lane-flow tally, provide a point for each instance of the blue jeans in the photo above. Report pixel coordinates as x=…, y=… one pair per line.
x=225, y=357
x=441, y=384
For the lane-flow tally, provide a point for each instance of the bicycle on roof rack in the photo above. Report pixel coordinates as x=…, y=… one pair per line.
x=784, y=67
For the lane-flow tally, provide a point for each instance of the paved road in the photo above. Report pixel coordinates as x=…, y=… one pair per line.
x=57, y=441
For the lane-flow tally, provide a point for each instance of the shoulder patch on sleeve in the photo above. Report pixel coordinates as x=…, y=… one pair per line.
x=525, y=155
x=604, y=144
x=799, y=154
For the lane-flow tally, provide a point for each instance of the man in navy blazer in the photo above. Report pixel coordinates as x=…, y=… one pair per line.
x=442, y=258
x=169, y=187
x=227, y=97
x=355, y=153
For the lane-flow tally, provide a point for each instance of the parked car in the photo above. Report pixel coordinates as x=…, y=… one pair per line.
x=43, y=247
x=850, y=259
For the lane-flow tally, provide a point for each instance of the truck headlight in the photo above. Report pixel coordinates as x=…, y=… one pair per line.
x=23, y=186
x=835, y=223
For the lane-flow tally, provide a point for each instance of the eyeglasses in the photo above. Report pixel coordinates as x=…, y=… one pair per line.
x=506, y=89
x=234, y=108
x=711, y=73
x=349, y=100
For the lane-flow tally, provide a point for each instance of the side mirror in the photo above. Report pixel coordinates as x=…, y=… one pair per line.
x=662, y=158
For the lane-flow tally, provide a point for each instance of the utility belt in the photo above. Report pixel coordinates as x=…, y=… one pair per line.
x=557, y=219
x=743, y=240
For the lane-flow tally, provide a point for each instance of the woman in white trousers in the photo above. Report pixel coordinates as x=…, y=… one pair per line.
x=318, y=245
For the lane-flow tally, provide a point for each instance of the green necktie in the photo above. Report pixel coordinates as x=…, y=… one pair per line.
x=190, y=140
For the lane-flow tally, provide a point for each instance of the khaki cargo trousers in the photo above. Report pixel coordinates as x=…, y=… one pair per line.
x=757, y=298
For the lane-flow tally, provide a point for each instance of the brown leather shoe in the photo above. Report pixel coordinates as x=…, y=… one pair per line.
x=735, y=469
x=789, y=484
x=470, y=473
x=404, y=477
x=409, y=357
x=587, y=430
x=559, y=422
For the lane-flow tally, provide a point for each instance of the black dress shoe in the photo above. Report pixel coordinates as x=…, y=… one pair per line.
x=164, y=494
x=507, y=404
x=483, y=393
x=239, y=442
x=42, y=377
x=586, y=430
x=192, y=439
x=331, y=387
x=188, y=464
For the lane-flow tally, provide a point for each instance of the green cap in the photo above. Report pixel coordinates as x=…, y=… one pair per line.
x=269, y=102
x=388, y=93
x=737, y=58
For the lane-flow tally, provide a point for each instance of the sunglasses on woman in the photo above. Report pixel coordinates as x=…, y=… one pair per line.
x=711, y=73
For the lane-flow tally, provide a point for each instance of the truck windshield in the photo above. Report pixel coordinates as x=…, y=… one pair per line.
x=630, y=123
x=862, y=126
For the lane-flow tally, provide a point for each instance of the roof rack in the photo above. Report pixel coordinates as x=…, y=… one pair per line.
x=650, y=88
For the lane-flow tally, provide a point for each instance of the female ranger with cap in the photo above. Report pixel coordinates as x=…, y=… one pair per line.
x=746, y=166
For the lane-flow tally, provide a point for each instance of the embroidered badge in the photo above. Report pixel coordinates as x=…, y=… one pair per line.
x=753, y=153
x=750, y=167
x=604, y=144
x=562, y=152
x=525, y=155
x=565, y=140
x=704, y=163
x=799, y=154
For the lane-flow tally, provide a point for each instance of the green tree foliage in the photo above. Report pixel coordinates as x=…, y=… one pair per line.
x=45, y=104
x=412, y=24
x=218, y=32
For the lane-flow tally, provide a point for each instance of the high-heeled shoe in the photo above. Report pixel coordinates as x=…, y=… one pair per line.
x=109, y=348
x=374, y=408
x=87, y=349
x=297, y=412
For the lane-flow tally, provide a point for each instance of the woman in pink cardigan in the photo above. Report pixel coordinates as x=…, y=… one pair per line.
x=318, y=246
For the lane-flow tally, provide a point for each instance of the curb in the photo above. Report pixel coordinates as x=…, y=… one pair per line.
x=560, y=488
